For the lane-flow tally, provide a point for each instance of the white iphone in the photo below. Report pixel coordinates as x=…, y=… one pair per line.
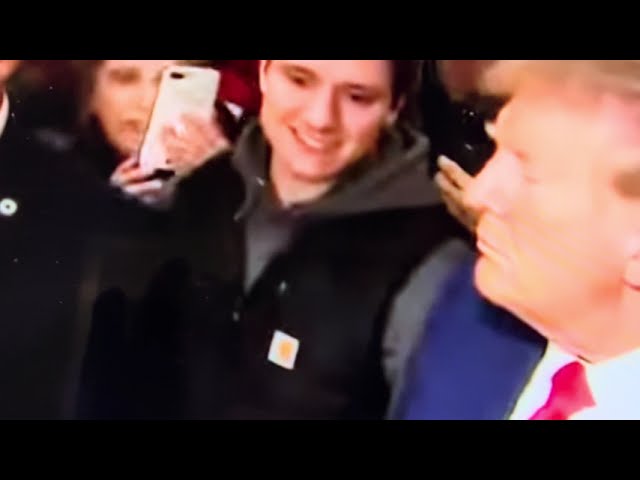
x=183, y=90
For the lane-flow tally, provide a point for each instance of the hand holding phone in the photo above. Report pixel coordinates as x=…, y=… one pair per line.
x=453, y=183
x=152, y=190
x=184, y=91
x=192, y=142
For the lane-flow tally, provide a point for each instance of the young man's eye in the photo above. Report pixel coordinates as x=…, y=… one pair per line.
x=362, y=99
x=124, y=76
x=298, y=80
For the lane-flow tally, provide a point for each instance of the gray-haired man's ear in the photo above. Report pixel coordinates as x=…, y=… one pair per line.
x=628, y=308
x=632, y=272
x=632, y=267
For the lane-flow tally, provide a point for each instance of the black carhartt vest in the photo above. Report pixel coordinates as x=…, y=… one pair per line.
x=198, y=345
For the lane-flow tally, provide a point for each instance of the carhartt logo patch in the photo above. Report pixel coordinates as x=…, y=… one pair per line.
x=284, y=350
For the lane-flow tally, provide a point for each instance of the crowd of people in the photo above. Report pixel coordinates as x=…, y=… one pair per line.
x=342, y=239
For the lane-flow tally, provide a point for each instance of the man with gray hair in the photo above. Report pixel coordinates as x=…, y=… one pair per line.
x=544, y=323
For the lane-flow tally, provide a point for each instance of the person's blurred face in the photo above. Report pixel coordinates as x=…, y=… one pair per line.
x=320, y=116
x=7, y=68
x=555, y=230
x=123, y=98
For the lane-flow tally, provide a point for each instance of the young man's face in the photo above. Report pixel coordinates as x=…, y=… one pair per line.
x=320, y=116
x=556, y=225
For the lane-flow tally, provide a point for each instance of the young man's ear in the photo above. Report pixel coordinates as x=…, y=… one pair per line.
x=392, y=116
x=264, y=65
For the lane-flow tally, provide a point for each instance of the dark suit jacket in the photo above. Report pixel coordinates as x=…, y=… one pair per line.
x=473, y=361
x=40, y=278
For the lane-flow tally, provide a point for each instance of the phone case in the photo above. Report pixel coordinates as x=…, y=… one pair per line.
x=183, y=89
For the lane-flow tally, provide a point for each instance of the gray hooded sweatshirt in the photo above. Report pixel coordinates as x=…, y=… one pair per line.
x=395, y=177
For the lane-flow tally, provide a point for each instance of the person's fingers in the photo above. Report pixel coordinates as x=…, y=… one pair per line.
x=452, y=206
x=193, y=124
x=454, y=202
x=205, y=132
x=454, y=172
x=143, y=188
x=181, y=153
x=125, y=166
x=167, y=133
x=184, y=154
x=465, y=217
x=490, y=128
x=447, y=187
x=127, y=177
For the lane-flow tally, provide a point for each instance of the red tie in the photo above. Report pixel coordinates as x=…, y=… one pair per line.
x=569, y=394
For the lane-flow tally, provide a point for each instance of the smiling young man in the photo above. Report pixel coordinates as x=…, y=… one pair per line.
x=287, y=300
x=544, y=324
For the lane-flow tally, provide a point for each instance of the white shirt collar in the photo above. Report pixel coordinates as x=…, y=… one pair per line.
x=4, y=112
x=614, y=384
